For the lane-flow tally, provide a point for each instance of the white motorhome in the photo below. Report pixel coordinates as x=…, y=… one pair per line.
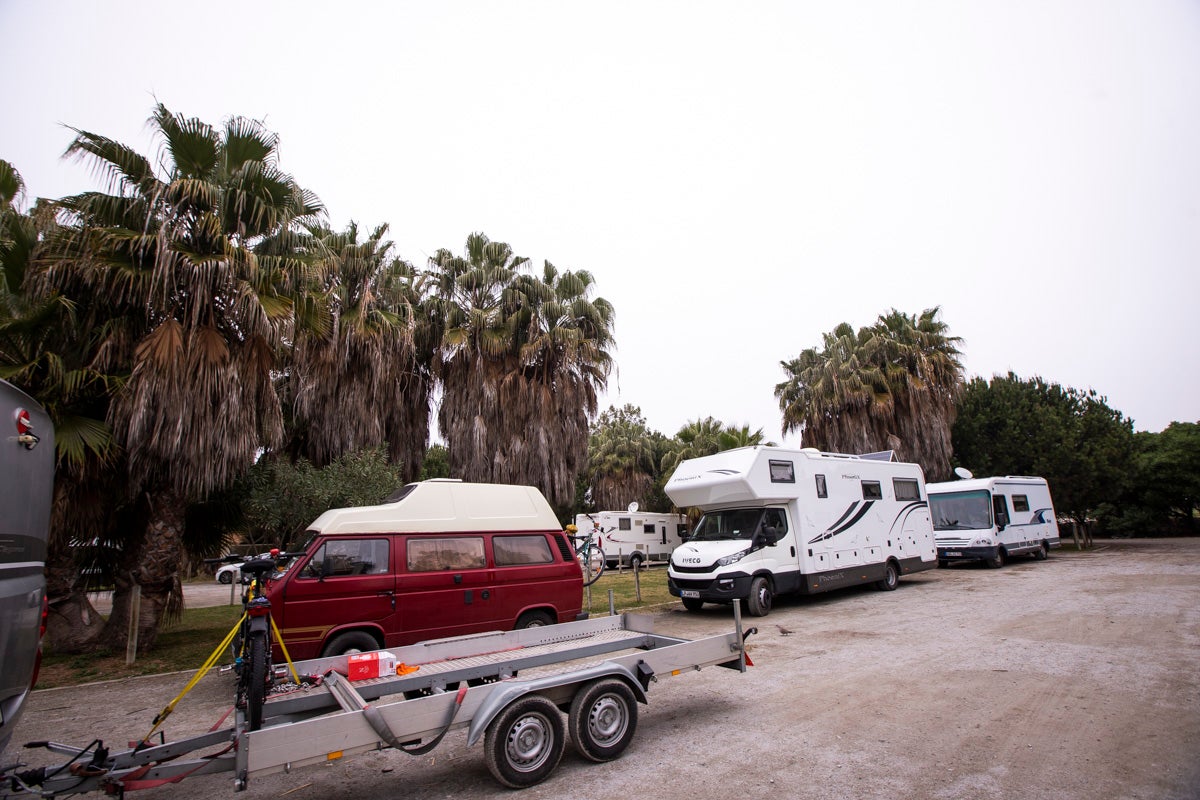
x=634, y=537
x=992, y=519
x=778, y=521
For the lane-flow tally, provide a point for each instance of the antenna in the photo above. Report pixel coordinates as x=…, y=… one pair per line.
x=963, y=473
x=633, y=507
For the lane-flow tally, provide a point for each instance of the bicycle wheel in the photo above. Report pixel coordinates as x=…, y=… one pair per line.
x=592, y=561
x=255, y=674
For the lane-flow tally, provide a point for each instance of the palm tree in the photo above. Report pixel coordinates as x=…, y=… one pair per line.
x=701, y=437
x=198, y=267
x=523, y=358
x=350, y=379
x=890, y=386
x=621, y=465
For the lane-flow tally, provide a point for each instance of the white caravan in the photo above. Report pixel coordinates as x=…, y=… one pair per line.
x=778, y=521
x=991, y=519
x=634, y=537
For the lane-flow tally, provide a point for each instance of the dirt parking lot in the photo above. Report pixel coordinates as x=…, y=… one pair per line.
x=1069, y=678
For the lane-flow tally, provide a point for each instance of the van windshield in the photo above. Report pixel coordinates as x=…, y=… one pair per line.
x=961, y=511
x=732, y=523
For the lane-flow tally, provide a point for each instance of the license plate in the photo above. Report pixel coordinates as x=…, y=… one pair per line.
x=954, y=552
x=689, y=593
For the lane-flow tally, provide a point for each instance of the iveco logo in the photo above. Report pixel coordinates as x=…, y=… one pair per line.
x=690, y=560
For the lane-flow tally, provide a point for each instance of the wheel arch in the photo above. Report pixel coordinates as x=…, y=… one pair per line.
x=371, y=629
x=507, y=694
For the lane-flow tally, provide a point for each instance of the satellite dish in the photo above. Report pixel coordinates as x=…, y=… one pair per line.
x=633, y=507
x=963, y=473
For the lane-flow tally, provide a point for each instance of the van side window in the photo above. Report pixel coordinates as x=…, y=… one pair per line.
x=511, y=551
x=1020, y=502
x=872, y=490
x=906, y=489
x=822, y=489
x=341, y=557
x=451, y=552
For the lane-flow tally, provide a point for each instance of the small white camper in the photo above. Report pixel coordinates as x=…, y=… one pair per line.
x=992, y=519
x=778, y=521
x=632, y=538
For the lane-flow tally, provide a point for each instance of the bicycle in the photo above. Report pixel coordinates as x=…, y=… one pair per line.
x=591, y=557
x=250, y=637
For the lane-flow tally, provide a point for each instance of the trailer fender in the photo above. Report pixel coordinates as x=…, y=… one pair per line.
x=511, y=691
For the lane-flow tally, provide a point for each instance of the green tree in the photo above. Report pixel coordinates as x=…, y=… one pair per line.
x=621, y=466
x=1163, y=492
x=889, y=386
x=197, y=265
x=1072, y=438
x=704, y=437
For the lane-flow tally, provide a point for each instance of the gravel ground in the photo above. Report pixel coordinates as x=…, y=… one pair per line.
x=1070, y=678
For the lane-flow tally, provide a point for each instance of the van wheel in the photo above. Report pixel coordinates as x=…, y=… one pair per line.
x=603, y=719
x=635, y=561
x=525, y=743
x=693, y=603
x=758, y=604
x=533, y=619
x=345, y=644
x=891, y=577
x=1042, y=553
x=997, y=561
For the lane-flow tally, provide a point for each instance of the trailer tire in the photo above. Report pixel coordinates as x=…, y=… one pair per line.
x=603, y=719
x=692, y=603
x=348, y=643
x=891, y=578
x=758, y=603
x=525, y=743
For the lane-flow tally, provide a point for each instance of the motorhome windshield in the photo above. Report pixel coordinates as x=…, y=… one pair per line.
x=734, y=523
x=961, y=511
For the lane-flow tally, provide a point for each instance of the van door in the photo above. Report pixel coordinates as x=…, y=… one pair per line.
x=346, y=581
x=445, y=588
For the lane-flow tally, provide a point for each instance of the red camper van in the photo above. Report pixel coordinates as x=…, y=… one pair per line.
x=441, y=558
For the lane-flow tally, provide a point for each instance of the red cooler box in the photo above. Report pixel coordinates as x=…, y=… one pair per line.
x=371, y=665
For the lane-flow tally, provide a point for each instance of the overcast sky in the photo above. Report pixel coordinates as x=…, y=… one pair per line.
x=738, y=177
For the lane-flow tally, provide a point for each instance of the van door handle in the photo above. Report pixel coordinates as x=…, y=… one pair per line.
x=388, y=594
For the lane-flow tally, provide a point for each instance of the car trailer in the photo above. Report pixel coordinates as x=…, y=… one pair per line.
x=596, y=671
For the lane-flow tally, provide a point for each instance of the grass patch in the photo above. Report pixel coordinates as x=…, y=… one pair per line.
x=187, y=643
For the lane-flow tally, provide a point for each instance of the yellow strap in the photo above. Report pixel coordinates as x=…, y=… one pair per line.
x=200, y=673
x=286, y=656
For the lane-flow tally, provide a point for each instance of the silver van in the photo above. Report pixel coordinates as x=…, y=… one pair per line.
x=26, y=488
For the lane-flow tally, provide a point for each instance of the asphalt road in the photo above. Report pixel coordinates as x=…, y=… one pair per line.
x=1068, y=679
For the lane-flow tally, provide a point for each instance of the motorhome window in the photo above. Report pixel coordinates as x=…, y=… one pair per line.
x=648, y=527
x=961, y=511
x=822, y=489
x=450, y=552
x=512, y=551
x=733, y=523
x=1020, y=502
x=400, y=494
x=872, y=490
x=342, y=557
x=906, y=489
x=782, y=472
x=624, y=524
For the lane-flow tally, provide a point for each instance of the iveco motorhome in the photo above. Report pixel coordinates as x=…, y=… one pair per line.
x=778, y=521
x=991, y=519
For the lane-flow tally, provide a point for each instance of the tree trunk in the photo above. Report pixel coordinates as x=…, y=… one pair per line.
x=153, y=564
x=73, y=625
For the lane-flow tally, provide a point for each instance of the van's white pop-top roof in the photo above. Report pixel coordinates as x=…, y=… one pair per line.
x=446, y=505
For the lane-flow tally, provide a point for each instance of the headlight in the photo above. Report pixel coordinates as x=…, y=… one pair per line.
x=732, y=559
x=985, y=541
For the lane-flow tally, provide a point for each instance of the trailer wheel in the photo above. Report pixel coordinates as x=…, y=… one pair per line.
x=693, y=603
x=890, y=579
x=603, y=719
x=525, y=743
x=345, y=644
x=758, y=604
